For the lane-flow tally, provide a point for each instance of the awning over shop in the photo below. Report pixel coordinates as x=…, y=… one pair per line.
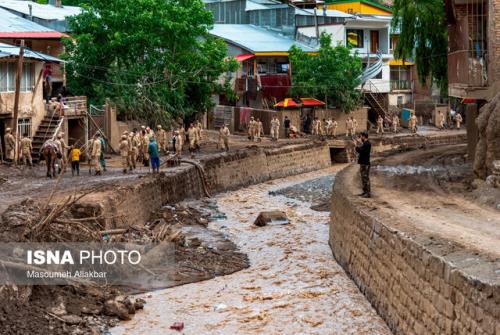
x=243, y=57
x=304, y=102
x=311, y=102
x=468, y=101
x=288, y=103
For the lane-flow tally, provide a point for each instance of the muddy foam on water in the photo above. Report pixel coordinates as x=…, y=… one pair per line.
x=293, y=286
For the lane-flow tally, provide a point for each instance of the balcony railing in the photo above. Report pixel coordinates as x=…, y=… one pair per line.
x=401, y=85
x=464, y=67
x=75, y=106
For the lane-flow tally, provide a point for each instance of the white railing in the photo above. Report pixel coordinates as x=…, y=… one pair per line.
x=59, y=126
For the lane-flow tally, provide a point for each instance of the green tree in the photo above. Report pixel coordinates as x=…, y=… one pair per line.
x=423, y=37
x=153, y=58
x=332, y=75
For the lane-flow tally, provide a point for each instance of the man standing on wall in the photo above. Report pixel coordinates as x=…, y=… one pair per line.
x=275, y=128
x=364, y=148
x=224, y=138
x=380, y=124
x=458, y=120
x=286, y=123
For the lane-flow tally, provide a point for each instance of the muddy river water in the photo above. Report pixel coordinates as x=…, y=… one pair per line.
x=293, y=286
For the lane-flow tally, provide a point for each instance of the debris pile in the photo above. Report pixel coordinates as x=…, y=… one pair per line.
x=200, y=254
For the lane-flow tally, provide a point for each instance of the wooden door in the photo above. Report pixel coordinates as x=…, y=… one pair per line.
x=374, y=41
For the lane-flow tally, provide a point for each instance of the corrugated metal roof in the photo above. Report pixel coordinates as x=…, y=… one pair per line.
x=320, y=12
x=8, y=50
x=45, y=12
x=256, y=39
x=11, y=23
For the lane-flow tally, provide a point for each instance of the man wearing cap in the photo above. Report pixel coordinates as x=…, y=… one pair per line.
x=134, y=148
x=95, y=154
x=458, y=120
x=63, y=150
x=224, y=137
x=251, y=129
x=349, y=127
x=10, y=145
x=335, y=124
x=26, y=148
x=161, y=135
x=199, y=128
x=380, y=124
x=363, y=148
x=179, y=142
x=413, y=123
x=275, y=128
x=125, y=152
x=395, y=123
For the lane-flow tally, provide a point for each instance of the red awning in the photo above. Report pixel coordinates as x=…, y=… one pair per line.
x=243, y=57
x=287, y=103
x=311, y=102
x=34, y=35
x=468, y=101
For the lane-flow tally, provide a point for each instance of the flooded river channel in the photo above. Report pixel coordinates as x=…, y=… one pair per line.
x=293, y=285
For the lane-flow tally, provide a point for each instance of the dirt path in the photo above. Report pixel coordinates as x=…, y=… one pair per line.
x=293, y=286
x=426, y=189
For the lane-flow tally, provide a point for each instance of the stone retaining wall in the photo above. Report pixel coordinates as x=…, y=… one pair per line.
x=134, y=203
x=419, y=286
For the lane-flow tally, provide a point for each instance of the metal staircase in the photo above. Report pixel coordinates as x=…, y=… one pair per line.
x=47, y=130
x=377, y=100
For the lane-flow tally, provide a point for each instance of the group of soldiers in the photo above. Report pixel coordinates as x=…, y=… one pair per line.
x=25, y=148
x=145, y=146
x=396, y=123
x=453, y=116
x=256, y=129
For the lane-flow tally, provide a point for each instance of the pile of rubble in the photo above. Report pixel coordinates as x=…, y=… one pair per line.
x=200, y=254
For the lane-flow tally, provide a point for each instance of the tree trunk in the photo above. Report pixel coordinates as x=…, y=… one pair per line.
x=488, y=146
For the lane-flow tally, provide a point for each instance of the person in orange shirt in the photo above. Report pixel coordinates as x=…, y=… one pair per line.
x=75, y=161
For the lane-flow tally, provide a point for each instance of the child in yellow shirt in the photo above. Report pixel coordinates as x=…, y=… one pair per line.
x=75, y=160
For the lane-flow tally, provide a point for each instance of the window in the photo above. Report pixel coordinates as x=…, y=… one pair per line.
x=8, y=77
x=400, y=100
x=282, y=67
x=24, y=127
x=354, y=38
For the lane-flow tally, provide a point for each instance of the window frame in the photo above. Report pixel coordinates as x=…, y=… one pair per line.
x=361, y=38
x=8, y=77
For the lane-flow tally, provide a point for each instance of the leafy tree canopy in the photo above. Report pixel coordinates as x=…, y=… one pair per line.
x=332, y=75
x=153, y=58
x=424, y=37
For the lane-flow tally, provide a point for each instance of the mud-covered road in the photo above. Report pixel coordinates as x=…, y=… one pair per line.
x=432, y=190
x=293, y=286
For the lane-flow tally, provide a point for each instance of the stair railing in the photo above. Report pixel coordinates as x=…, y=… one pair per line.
x=59, y=126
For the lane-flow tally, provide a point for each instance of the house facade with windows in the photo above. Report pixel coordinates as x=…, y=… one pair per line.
x=264, y=76
x=32, y=108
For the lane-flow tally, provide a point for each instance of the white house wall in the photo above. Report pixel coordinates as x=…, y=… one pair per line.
x=337, y=32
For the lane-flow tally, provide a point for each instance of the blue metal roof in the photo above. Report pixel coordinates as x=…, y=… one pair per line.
x=8, y=50
x=256, y=39
x=45, y=12
x=10, y=22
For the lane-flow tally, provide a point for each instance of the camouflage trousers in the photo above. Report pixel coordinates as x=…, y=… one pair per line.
x=364, y=170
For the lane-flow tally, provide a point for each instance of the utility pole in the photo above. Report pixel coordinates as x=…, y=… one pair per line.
x=19, y=73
